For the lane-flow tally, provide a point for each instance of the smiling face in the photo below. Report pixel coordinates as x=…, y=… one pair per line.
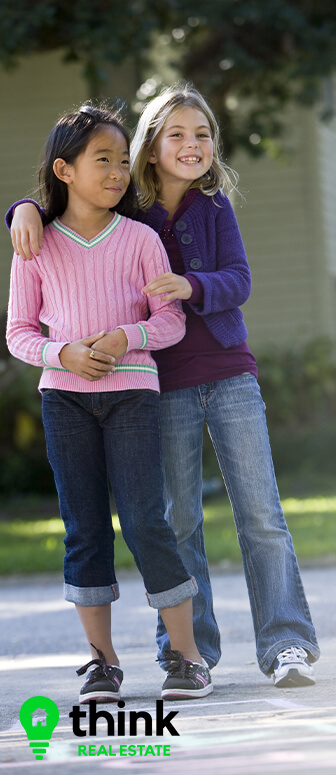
x=99, y=177
x=183, y=149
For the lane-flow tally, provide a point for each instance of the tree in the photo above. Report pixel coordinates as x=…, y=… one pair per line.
x=250, y=58
x=92, y=33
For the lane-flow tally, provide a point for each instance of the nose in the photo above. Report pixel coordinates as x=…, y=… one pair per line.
x=192, y=141
x=116, y=173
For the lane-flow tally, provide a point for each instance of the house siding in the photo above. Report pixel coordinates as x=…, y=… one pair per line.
x=33, y=96
x=280, y=221
x=326, y=158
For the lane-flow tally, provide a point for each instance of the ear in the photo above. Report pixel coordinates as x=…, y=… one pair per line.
x=152, y=157
x=62, y=170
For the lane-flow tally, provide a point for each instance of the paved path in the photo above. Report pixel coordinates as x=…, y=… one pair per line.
x=247, y=727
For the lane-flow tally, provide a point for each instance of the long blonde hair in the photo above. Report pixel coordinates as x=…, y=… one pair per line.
x=151, y=121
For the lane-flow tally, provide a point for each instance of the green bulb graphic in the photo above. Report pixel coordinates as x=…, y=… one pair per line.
x=39, y=716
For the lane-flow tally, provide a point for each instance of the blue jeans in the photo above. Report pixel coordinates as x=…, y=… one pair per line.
x=235, y=416
x=92, y=438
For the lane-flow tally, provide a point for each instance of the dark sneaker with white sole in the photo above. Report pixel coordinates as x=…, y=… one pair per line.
x=185, y=680
x=292, y=668
x=103, y=682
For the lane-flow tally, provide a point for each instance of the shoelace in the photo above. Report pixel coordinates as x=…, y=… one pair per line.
x=178, y=664
x=101, y=662
x=292, y=654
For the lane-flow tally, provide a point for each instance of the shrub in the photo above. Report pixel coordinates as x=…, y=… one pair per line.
x=299, y=387
x=23, y=461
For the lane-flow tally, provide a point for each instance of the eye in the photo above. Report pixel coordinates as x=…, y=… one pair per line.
x=204, y=135
x=126, y=162
x=103, y=158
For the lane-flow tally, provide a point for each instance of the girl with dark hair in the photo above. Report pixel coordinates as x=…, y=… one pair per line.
x=100, y=390
x=67, y=140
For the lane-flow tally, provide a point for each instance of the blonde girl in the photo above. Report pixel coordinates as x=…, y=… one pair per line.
x=211, y=377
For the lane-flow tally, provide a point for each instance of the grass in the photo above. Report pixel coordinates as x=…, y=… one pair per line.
x=35, y=544
x=311, y=521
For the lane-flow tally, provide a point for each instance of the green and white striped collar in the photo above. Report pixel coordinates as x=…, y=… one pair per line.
x=88, y=244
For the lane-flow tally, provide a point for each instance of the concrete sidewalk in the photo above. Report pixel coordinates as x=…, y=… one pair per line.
x=246, y=727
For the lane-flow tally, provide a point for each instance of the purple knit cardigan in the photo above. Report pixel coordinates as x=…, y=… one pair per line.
x=212, y=250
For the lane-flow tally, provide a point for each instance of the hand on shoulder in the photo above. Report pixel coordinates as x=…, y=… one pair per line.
x=26, y=231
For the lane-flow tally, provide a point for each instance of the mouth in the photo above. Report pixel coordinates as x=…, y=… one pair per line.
x=190, y=159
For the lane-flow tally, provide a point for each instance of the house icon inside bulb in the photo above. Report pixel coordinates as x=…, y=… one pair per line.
x=39, y=717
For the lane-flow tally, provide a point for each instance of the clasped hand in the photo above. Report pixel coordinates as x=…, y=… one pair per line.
x=107, y=348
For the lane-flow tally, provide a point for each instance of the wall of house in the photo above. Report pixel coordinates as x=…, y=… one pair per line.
x=32, y=98
x=326, y=161
x=280, y=221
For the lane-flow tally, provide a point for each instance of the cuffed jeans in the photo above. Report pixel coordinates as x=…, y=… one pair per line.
x=235, y=415
x=93, y=437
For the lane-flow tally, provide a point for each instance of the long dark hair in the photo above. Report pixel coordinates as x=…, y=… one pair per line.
x=68, y=139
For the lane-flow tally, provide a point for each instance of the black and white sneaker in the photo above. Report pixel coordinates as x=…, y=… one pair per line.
x=103, y=682
x=185, y=679
x=292, y=668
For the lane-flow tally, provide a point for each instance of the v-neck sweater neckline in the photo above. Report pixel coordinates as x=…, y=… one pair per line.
x=88, y=244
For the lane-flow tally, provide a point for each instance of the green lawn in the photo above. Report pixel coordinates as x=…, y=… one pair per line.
x=311, y=521
x=34, y=545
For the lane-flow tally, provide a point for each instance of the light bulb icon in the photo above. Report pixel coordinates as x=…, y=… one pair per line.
x=39, y=717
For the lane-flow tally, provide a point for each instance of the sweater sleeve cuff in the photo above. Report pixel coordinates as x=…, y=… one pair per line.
x=197, y=296
x=136, y=336
x=50, y=354
x=10, y=213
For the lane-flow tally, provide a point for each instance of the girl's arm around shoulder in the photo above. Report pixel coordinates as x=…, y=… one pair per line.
x=166, y=323
x=25, y=220
x=226, y=281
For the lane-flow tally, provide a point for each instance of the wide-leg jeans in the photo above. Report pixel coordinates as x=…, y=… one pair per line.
x=92, y=438
x=234, y=413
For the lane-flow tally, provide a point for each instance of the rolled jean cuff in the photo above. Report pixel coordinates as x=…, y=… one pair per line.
x=174, y=596
x=89, y=596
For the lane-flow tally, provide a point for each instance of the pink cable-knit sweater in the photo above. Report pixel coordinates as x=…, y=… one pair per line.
x=78, y=288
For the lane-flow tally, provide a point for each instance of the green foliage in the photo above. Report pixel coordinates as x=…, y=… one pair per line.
x=23, y=461
x=299, y=390
x=253, y=57
x=92, y=33
x=299, y=387
x=250, y=58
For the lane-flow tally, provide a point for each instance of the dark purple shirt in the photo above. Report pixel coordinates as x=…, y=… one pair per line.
x=198, y=358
